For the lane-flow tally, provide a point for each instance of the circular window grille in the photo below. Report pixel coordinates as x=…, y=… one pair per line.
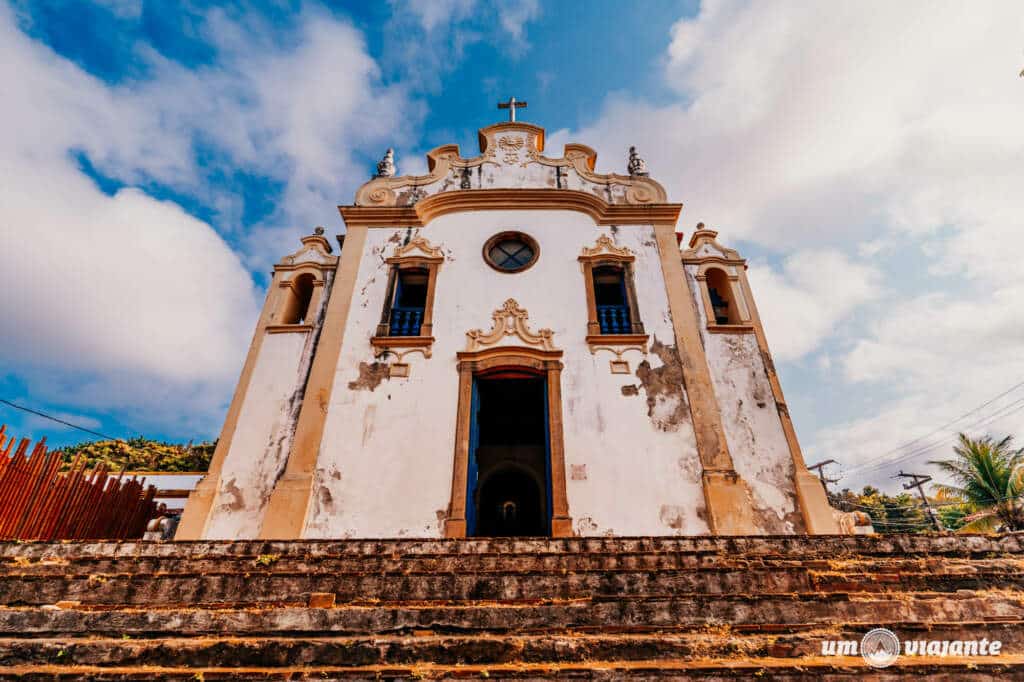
x=511, y=252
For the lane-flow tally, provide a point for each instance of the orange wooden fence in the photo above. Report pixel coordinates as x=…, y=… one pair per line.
x=40, y=502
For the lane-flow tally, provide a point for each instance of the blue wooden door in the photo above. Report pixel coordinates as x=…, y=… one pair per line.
x=473, y=471
x=548, y=512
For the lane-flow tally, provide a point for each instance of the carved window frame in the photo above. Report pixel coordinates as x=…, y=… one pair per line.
x=516, y=235
x=736, y=293
x=417, y=254
x=606, y=253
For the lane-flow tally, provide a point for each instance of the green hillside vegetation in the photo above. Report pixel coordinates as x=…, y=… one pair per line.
x=140, y=454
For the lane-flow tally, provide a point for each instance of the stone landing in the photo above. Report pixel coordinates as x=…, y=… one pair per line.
x=599, y=608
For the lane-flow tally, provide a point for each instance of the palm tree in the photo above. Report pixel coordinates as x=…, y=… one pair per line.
x=989, y=477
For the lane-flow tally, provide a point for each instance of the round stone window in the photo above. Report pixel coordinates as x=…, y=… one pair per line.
x=511, y=252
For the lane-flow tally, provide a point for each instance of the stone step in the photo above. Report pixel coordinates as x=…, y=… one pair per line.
x=254, y=587
x=618, y=613
x=494, y=563
x=827, y=547
x=286, y=652
x=831, y=669
x=257, y=586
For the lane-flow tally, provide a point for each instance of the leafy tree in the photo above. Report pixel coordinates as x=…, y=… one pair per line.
x=989, y=478
x=140, y=454
x=889, y=513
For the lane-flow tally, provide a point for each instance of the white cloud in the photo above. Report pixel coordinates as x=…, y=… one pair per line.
x=513, y=17
x=942, y=355
x=428, y=38
x=305, y=115
x=851, y=128
x=432, y=14
x=802, y=305
x=129, y=304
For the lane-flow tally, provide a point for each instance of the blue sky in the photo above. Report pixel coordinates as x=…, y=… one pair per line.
x=865, y=158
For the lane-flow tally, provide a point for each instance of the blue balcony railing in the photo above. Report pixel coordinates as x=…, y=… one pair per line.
x=613, y=319
x=406, y=321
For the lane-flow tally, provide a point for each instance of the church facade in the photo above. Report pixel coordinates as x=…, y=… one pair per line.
x=512, y=344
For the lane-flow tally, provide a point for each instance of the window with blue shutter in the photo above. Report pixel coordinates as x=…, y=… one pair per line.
x=610, y=299
x=409, y=302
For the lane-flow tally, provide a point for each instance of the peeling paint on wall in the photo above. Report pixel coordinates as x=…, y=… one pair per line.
x=266, y=428
x=673, y=516
x=370, y=376
x=750, y=419
x=666, y=400
x=398, y=456
x=236, y=501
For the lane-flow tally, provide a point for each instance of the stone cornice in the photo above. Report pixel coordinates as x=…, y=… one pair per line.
x=427, y=209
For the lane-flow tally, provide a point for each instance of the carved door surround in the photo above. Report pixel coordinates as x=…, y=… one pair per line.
x=530, y=352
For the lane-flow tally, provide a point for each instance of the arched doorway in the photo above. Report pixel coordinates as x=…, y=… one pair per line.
x=508, y=445
x=508, y=482
x=509, y=503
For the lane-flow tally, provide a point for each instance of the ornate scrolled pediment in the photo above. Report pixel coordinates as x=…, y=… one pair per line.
x=509, y=320
x=604, y=247
x=316, y=250
x=704, y=247
x=418, y=248
x=511, y=157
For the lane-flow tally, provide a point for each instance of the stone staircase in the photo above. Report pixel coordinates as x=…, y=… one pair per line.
x=701, y=608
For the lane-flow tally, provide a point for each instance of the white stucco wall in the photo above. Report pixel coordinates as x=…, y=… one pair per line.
x=385, y=463
x=750, y=417
x=258, y=450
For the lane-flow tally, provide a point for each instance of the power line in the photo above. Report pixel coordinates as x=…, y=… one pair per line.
x=937, y=429
x=55, y=419
x=1004, y=411
x=918, y=481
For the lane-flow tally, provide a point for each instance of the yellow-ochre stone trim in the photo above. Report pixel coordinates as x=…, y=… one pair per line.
x=393, y=349
x=810, y=494
x=495, y=140
x=617, y=345
x=605, y=249
x=545, y=362
x=509, y=320
x=288, y=328
x=314, y=257
x=286, y=510
x=541, y=199
x=703, y=236
x=418, y=247
x=315, y=252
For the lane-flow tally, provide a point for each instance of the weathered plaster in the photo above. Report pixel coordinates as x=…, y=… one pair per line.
x=392, y=447
x=750, y=419
x=511, y=157
x=259, y=450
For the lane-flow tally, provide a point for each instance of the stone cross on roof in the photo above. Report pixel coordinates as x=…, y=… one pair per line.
x=511, y=105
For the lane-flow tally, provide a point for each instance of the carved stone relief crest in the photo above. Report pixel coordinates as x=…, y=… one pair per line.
x=509, y=320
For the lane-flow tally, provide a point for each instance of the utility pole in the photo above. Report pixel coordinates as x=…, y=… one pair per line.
x=820, y=468
x=917, y=481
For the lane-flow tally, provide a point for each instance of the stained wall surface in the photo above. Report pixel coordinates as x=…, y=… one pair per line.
x=750, y=416
x=386, y=461
x=259, y=449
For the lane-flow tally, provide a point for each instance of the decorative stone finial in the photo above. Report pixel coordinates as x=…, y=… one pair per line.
x=700, y=226
x=319, y=231
x=636, y=165
x=386, y=166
